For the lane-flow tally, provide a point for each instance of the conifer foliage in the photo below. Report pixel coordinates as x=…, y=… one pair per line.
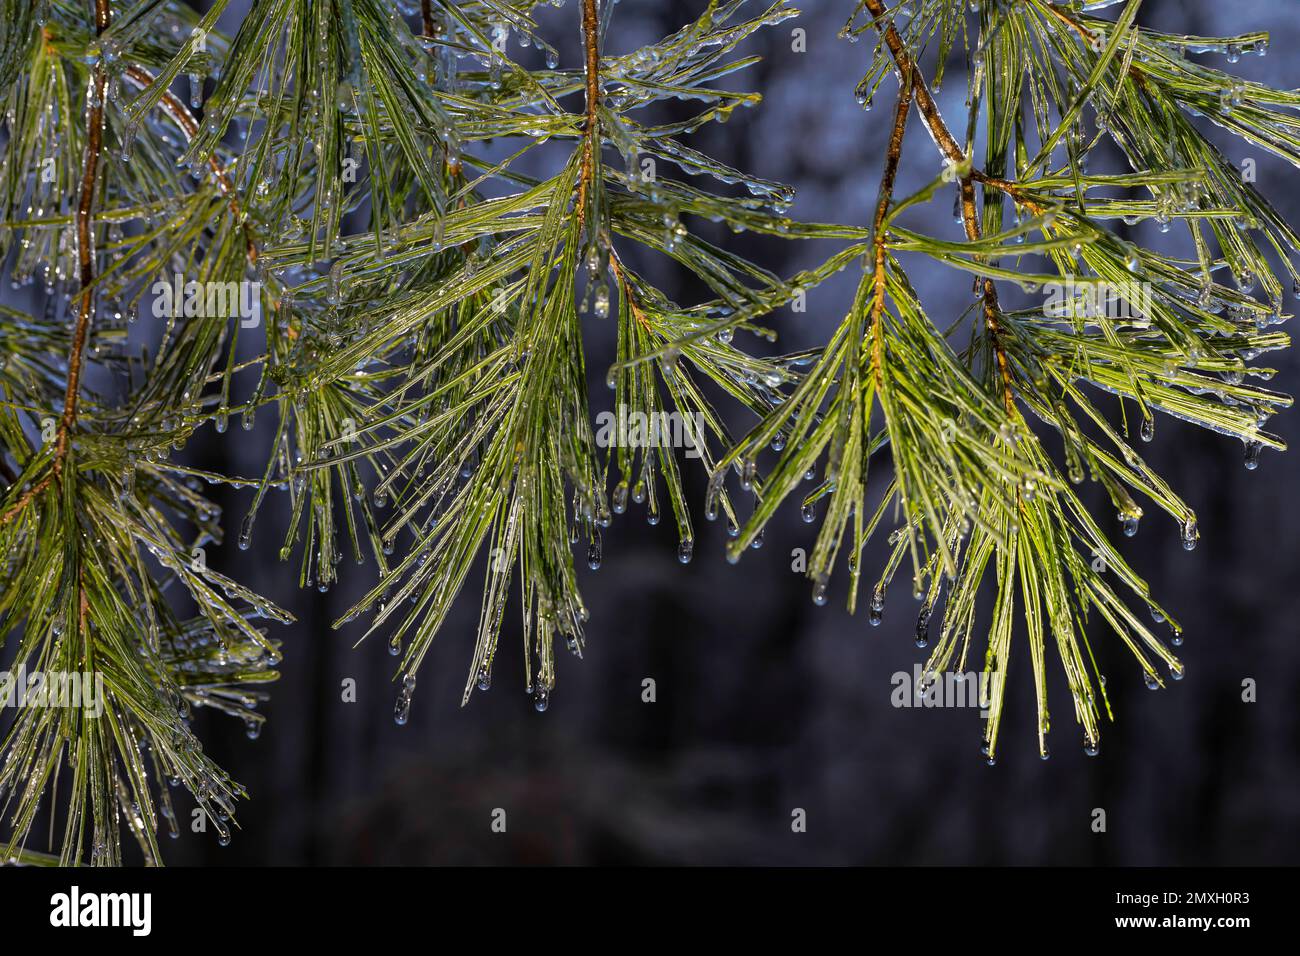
x=383, y=234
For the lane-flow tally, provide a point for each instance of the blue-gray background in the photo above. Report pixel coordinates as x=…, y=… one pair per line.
x=766, y=702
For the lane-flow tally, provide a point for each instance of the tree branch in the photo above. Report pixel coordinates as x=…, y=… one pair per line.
x=953, y=152
x=591, y=41
x=887, y=179
x=97, y=90
x=183, y=118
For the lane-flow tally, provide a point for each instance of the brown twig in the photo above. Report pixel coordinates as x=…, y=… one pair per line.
x=956, y=157
x=184, y=119
x=26, y=498
x=616, y=266
x=96, y=91
x=591, y=42
x=426, y=17
x=85, y=244
x=887, y=179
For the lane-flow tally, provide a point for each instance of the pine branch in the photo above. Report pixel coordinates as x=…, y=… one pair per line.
x=893, y=156
x=435, y=226
x=909, y=72
x=591, y=129
x=85, y=244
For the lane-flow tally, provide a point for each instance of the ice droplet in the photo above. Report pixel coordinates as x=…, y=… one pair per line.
x=877, y=607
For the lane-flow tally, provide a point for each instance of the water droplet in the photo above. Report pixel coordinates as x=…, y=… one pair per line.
x=1091, y=747
x=600, y=304
x=819, y=594
x=809, y=513
x=923, y=625
x=685, y=550
x=1253, y=448
x=877, y=607
x=1148, y=429
x=748, y=471
x=541, y=699
x=594, y=554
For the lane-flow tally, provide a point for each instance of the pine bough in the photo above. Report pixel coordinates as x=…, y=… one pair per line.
x=430, y=223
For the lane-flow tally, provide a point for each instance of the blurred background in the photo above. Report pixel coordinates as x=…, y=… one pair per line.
x=765, y=702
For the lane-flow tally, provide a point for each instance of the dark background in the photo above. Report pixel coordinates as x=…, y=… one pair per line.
x=766, y=702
